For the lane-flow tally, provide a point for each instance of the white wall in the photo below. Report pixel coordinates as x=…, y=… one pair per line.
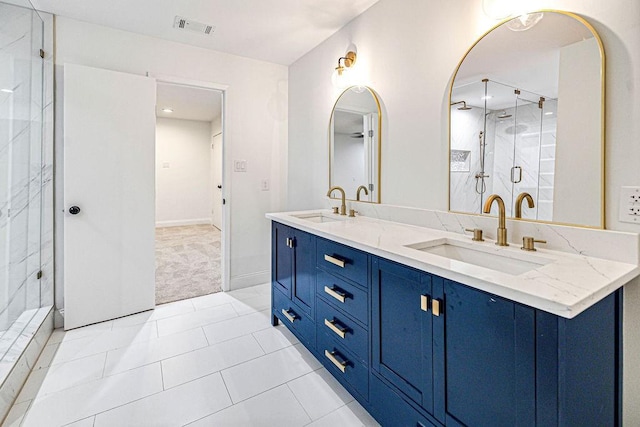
x=408, y=51
x=183, y=172
x=255, y=125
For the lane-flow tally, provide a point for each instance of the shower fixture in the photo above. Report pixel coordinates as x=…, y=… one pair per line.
x=504, y=115
x=464, y=105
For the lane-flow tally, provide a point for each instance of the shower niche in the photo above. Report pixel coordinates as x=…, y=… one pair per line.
x=527, y=119
x=509, y=138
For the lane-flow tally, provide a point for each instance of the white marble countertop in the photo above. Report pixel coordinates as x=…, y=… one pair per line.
x=565, y=285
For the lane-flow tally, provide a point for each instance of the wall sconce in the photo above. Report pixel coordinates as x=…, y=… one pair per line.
x=340, y=76
x=525, y=22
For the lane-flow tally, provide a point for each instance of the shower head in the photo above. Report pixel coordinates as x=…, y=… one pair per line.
x=504, y=115
x=464, y=105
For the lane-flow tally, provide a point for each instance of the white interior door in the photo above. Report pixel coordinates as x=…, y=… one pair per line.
x=109, y=152
x=216, y=170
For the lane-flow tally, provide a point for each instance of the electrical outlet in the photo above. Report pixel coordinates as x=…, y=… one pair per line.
x=630, y=205
x=264, y=185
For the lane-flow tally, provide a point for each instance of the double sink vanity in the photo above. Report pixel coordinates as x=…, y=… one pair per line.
x=420, y=318
x=426, y=327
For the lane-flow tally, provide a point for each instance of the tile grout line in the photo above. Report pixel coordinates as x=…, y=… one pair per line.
x=298, y=400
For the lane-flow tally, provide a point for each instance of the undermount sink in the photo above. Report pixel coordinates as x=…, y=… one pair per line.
x=500, y=262
x=318, y=217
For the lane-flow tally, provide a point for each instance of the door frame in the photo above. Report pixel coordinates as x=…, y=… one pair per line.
x=225, y=265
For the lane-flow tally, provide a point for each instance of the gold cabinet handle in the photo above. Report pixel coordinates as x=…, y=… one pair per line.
x=435, y=307
x=288, y=242
x=289, y=316
x=334, y=260
x=335, y=293
x=424, y=302
x=331, y=356
x=331, y=324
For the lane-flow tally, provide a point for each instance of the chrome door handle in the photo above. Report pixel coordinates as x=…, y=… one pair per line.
x=290, y=317
x=513, y=175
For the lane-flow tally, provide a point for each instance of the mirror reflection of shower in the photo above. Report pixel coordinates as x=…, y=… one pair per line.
x=502, y=142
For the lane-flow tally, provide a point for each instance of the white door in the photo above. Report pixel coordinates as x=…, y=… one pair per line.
x=216, y=169
x=109, y=152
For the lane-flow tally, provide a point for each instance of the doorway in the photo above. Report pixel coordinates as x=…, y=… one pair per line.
x=189, y=204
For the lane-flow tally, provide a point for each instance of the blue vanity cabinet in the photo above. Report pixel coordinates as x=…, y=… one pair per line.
x=294, y=280
x=402, y=330
x=485, y=359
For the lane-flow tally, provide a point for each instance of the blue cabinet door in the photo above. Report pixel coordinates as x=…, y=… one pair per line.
x=487, y=358
x=282, y=258
x=402, y=330
x=304, y=265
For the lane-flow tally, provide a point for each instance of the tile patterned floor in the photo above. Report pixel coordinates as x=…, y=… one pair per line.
x=187, y=262
x=207, y=361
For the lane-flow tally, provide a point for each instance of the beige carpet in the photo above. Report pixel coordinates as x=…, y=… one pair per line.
x=187, y=262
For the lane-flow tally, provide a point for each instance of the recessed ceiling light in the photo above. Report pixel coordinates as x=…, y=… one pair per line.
x=167, y=110
x=6, y=90
x=487, y=97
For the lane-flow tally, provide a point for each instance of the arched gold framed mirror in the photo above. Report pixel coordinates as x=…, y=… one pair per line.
x=527, y=117
x=354, y=144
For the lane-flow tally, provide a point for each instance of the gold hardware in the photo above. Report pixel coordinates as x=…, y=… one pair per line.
x=366, y=192
x=352, y=213
x=331, y=324
x=334, y=261
x=541, y=102
x=288, y=242
x=520, y=199
x=335, y=210
x=331, y=356
x=424, y=303
x=477, y=234
x=288, y=315
x=528, y=243
x=343, y=205
x=502, y=228
x=336, y=294
x=349, y=61
x=435, y=307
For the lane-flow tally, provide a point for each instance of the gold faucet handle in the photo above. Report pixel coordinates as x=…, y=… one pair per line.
x=477, y=234
x=352, y=213
x=335, y=210
x=528, y=243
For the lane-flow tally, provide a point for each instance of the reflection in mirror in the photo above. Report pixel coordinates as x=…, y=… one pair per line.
x=527, y=118
x=354, y=144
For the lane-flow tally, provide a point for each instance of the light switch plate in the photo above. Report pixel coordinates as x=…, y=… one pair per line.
x=629, y=205
x=239, y=165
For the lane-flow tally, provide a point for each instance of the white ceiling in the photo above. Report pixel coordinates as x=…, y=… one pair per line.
x=188, y=103
x=279, y=31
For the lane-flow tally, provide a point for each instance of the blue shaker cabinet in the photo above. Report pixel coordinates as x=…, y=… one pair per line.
x=419, y=350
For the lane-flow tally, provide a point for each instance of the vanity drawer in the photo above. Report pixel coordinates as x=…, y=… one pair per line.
x=293, y=317
x=343, y=295
x=343, y=365
x=343, y=329
x=343, y=260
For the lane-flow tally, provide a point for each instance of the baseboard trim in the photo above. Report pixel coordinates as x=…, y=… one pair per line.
x=178, y=223
x=251, y=279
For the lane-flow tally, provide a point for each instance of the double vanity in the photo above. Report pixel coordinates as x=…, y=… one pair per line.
x=426, y=327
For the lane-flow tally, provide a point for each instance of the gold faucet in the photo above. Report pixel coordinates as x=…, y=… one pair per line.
x=343, y=206
x=519, y=201
x=366, y=192
x=502, y=228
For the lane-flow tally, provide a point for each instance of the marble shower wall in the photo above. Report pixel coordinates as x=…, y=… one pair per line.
x=26, y=156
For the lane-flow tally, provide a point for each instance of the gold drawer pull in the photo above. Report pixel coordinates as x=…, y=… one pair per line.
x=331, y=324
x=335, y=293
x=435, y=307
x=331, y=356
x=333, y=260
x=424, y=303
x=289, y=316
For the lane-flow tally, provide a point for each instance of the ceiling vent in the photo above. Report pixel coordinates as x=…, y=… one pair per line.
x=195, y=27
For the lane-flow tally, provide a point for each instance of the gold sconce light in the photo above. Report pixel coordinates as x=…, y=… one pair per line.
x=339, y=77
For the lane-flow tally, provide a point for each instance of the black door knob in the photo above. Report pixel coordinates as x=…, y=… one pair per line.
x=74, y=210
x=219, y=186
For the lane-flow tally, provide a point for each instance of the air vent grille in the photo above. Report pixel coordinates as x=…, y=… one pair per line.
x=185, y=24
